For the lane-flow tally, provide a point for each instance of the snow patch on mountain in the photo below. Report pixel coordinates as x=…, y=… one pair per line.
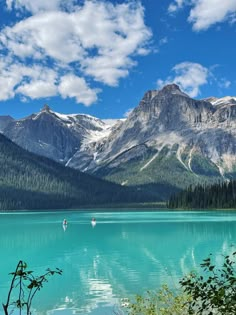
x=223, y=101
x=149, y=162
x=178, y=155
x=190, y=160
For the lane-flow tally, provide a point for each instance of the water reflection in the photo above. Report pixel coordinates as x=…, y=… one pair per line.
x=125, y=254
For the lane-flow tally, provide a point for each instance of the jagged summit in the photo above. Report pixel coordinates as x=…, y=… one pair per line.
x=167, y=90
x=172, y=89
x=46, y=108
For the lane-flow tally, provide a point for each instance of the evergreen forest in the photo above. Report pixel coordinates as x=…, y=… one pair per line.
x=29, y=181
x=221, y=195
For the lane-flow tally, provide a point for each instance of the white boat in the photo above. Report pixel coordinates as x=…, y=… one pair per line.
x=93, y=222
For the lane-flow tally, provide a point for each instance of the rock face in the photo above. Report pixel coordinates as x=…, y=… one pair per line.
x=167, y=142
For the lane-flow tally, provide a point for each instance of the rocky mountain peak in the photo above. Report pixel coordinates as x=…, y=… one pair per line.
x=46, y=108
x=172, y=89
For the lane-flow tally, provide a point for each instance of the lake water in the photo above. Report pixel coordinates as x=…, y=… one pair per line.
x=124, y=254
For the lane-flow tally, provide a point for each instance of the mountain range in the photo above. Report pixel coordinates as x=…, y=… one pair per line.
x=167, y=142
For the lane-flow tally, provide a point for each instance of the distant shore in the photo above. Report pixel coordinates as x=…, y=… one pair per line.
x=149, y=206
x=121, y=207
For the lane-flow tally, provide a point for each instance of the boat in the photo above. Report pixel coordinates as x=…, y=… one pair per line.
x=64, y=222
x=93, y=222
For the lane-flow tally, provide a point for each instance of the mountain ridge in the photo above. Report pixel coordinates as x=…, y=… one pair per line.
x=169, y=139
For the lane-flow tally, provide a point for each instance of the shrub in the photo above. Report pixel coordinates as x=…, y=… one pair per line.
x=162, y=302
x=215, y=292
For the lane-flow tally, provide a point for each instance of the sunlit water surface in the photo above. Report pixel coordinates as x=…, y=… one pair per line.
x=124, y=254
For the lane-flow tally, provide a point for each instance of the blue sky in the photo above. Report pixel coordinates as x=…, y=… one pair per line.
x=99, y=57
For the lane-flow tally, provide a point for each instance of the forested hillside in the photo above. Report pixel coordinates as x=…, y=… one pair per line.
x=217, y=196
x=28, y=181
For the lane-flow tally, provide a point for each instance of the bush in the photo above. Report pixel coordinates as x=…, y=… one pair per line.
x=214, y=292
x=162, y=302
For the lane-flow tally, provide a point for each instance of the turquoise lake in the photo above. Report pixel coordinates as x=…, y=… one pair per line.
x=124, y=254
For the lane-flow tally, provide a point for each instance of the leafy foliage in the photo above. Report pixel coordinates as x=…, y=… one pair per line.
x=215, y=293
x=26, y=285
x=162, y=302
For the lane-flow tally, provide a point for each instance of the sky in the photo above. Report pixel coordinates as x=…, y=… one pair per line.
x=99, y=57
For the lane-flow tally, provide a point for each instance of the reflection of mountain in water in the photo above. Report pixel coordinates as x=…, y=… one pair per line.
x=112, y=260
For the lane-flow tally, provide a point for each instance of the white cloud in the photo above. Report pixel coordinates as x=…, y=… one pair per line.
x=46, y=34
x=98, y=39
x=205, y=13
x=7, y=84
x=72, y=86
x=118, y=34
x=176, y=5
x=106, y=69
x=35, y=6
x=209, y=12
x=34, y=82
x=224, y=83
x=39, y=81
x=37, y=89
x=189, y=76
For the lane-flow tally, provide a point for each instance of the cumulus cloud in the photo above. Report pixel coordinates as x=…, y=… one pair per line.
x=39, y=81
x=97, y=40
x=17, y=78
x=72, y=86
x=205, y=13
x=189, y=76
x=208, y=12
x=37, y=89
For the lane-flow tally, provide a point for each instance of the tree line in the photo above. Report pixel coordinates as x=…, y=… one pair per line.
x=221, y=195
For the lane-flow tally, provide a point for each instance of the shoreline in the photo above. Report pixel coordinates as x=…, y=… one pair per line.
x=139, y=207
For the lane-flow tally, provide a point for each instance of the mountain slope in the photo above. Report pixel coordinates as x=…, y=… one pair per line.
x=169, y=139
x=4, y=121
x=28, y=181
